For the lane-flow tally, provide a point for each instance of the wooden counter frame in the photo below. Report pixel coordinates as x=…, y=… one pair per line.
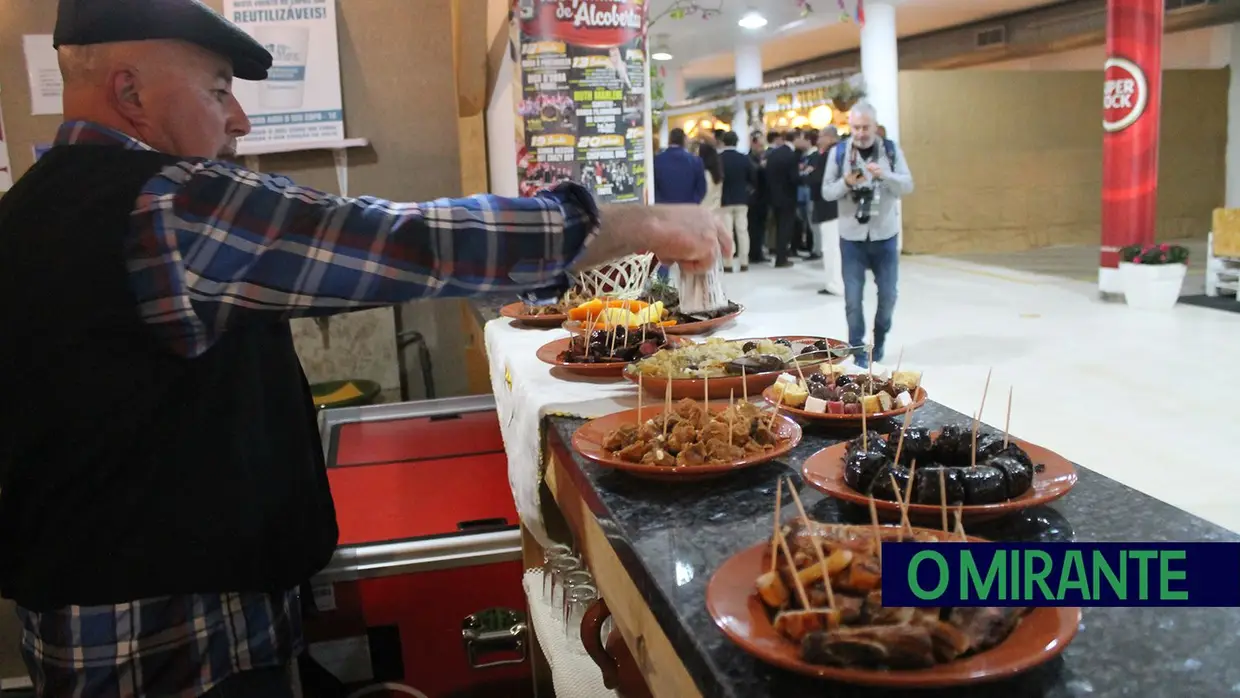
x=662, y=668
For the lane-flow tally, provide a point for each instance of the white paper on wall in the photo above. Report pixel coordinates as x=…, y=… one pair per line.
x=6, y=171
x=300, y=102
x=43, y=72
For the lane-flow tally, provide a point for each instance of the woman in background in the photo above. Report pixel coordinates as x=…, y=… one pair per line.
x=714, y=176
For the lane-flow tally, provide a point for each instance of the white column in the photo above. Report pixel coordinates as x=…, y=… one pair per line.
x=880, y=65
x=1233, y=122
x=648, y=121
x=501, y=125
x=748, y=76
x=674, y=86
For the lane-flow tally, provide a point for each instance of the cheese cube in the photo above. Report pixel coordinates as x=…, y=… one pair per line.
x=910, y=378
x=885, y=402
x=793, y=395
x=870, y=404
x=787, y=379
x=904, y=399
x=815, y=405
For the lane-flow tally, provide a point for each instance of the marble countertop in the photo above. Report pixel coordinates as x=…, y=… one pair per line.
x=672, y=538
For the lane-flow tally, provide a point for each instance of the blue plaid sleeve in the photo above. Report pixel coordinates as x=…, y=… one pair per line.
x=215, y=245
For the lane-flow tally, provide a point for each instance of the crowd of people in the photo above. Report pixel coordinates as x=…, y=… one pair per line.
x=803, y=195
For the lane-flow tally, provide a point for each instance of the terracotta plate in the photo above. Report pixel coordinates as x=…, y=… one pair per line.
x=516, y=311
x=824, y=471
x=733, y=602
x=577, y=327
x=722, y=387
x=771, y=395
x=706, y=325
x=550, y=353
x=588, y=441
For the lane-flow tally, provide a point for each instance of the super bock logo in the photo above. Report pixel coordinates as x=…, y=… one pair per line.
x=1124, y=96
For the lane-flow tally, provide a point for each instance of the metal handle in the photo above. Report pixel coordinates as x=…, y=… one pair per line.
x=481, y=636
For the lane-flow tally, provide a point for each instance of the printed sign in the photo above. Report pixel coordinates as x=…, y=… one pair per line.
x=300, y=102
x=582, y=110
x=43, y=73
x=1130, y=114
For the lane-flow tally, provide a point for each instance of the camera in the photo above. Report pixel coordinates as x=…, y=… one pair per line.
x=865, y=195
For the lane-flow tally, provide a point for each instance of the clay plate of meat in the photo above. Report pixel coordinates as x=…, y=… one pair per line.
x=1004, y=480
x=702, y=326
x=521, y=313
x=1039, y=635
x=556, y=352
x=749, y=383
x=592, y=441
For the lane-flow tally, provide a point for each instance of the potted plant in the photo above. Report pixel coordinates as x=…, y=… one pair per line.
x=844, y=95
x=1152, y=275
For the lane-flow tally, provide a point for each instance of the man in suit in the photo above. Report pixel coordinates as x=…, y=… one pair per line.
x=679, y=176
x=757, y=202
x=825, y=215
x=738, y=180
x=783, y=176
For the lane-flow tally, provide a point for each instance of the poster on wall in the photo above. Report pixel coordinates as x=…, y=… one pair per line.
x=43, y=74
x=581, y=114
x=6, y=171
x=300, y=102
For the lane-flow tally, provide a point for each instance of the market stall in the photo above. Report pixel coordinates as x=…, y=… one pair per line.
x=656, y=548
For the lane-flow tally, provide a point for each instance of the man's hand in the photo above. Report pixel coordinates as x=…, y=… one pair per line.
x=853, y=178
x=683, y=234
x=875, y=170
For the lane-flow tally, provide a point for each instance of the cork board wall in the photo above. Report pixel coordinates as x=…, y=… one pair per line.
x=400, y=92
x=1008, y=161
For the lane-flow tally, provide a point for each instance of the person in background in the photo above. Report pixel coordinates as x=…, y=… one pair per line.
x=679, y=176
x=774, y=139
x=154, y=541
x=757, y=201
x=804, y=242
x=714, y=177
x=825, y=214
x=719, y=138
x=783, y=177
x=867, y=175
x=739, y=179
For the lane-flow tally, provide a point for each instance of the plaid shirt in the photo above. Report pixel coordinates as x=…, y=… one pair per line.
x=214, y=245
x=217, y=244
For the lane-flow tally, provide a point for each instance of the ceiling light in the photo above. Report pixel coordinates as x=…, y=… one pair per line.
x=661, y=51
x=752, y=20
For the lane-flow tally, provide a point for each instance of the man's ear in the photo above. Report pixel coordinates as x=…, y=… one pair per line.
x=123, y=94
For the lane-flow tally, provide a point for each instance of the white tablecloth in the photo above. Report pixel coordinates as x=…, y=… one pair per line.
x=526, y=389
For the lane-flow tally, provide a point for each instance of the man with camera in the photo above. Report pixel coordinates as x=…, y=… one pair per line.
x=867, y=174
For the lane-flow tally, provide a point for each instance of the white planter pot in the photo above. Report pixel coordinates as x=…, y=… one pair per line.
x=1152, y=286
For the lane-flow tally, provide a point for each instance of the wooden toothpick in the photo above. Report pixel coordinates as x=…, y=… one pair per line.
x=779, y=495
x=639, y=398
x=822, y=559
x=731, y=413
x=667, y=407
x=908, y=498
x=878, y=536
x=895, y=489
x=796, y=578
x=960, y=522
x=1007, y=419
x=943, y=498
x=744, y=386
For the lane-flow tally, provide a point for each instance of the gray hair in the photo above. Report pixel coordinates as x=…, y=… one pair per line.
x=864, y=109
x=829, y=131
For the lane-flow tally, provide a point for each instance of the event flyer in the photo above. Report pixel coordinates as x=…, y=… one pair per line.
x=300, y=102
x=582, y=90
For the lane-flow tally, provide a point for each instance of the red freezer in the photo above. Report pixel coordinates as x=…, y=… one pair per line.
x=425, y=590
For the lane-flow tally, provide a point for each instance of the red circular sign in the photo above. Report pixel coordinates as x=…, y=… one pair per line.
x=1125, y=94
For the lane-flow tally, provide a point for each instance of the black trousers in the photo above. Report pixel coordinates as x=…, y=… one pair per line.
x=785, y=226
x=757, y=229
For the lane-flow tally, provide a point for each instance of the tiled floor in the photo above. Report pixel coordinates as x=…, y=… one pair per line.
x=1142, y=397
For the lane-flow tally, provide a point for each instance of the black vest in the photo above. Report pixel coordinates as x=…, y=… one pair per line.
x=126, y=471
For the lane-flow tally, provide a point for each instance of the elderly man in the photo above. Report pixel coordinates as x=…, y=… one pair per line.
x=867, y=174
x=162, y=488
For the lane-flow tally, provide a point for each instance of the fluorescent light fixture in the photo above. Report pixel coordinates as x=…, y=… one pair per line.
x=661, y=56
x=661, y=51
x=752, y=20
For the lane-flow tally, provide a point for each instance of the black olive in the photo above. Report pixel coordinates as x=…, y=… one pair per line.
x=845, y=379
x=816, y=379
x=809, y=349
x=749, y=346
x=822, y=345
x=784, y=342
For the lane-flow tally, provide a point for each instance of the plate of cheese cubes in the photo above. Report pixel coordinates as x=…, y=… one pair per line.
x=835, y=393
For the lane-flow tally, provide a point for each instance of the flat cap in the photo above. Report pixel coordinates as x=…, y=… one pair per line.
x=84, y=22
